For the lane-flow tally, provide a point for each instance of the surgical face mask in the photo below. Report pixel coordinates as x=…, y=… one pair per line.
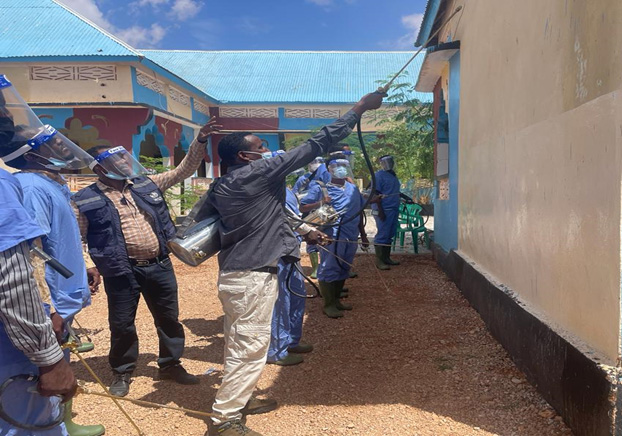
x=118, y=164
x=339, y=172
x=267, y=154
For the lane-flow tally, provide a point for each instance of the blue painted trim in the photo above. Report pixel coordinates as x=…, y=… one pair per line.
x=431, y=10
x=198, y=117
x=144, y=95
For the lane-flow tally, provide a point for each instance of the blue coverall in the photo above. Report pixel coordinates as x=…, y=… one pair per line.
x=48, y=204
x=289, y=309
x=387, y=184
x=301, y=186
x=16, y=226
x=343, y=198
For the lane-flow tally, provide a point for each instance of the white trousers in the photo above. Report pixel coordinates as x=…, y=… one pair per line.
x=247, y=299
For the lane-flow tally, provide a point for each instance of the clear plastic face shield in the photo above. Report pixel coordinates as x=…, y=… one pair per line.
x=387, y=163
x=313, y=166
x=118, y=164
x=14, y=111
x=49, y=144
x=340, y=169
x=349, y=154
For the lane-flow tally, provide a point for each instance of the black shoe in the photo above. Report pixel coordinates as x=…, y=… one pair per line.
x=120, y=387
x=178, y=374
x=257, y=406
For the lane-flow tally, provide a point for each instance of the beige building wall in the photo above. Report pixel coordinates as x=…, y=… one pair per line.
x=70, y=91
x=540, y=156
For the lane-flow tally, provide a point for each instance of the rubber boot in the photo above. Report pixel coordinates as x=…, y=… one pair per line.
x=387, y=259
x=338, y=303
x=327, y=289
x=314, y=256
x=80, y=430
x=380, y=258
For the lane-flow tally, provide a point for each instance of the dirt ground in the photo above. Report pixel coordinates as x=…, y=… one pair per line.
x=412, y=358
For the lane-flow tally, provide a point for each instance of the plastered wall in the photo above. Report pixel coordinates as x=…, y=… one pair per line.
x=69, y=91
x=540, y=156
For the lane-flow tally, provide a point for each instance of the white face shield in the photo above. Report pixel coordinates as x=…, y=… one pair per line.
x=349, y=154
x=49, y=144
x=313, y=166
x=387, y=163
x=340, y=169
x=118, y=164
x=14, y=111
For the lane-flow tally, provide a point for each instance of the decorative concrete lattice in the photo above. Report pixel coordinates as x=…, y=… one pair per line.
x=312, y=113
x=326, y=113
x=178, y=96
x=149, y=82
x=200, y=107
x=244, y=112
x=381, y=114
x=298, y=113
x=443, y=189
x=84, y=72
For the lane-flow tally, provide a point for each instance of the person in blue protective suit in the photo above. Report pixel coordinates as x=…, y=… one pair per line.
x=285, y=346
x=317, y=171
x=40, y=152
x=385, y=211
x=28, y=344
x=336, y=260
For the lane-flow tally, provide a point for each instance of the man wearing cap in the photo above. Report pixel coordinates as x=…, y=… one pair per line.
x=126, y=223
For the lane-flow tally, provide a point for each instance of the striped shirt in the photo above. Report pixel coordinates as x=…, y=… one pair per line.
x=25, y=322
x=136, y=224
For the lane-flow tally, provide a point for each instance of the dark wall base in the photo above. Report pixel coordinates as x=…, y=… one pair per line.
x=573, y=383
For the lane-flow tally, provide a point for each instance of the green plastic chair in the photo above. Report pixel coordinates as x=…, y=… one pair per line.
x=410, y=221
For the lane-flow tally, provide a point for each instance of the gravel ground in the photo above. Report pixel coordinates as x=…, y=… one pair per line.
x=412, y=358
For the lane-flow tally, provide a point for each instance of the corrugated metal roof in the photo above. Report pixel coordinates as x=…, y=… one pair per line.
x=44, y=28
x=286, y=76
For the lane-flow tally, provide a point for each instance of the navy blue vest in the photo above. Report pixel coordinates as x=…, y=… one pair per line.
x=105, y=238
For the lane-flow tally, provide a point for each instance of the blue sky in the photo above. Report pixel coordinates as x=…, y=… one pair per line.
x=258, y=25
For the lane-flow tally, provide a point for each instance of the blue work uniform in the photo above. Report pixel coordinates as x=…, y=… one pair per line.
x=346, y=198
x=387, y=184
x=47, y=201
x=16, y=226
x=289, y=309
x=302, y=185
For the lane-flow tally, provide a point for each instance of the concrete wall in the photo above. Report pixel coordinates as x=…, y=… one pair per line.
x=69, y=91
x=540, y=156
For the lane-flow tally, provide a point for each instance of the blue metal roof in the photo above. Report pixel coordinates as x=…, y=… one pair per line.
x=286, y=76
x=44, y=28
x=431, y=10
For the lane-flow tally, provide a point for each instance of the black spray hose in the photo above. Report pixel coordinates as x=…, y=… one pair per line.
x=289, y=276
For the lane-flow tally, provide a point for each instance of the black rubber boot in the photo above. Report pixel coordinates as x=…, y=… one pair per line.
x=339, y=304
x=380, y=264
x=387, y=259
x=327, y=289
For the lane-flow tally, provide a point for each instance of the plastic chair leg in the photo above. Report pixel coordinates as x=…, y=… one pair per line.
x=415, y=241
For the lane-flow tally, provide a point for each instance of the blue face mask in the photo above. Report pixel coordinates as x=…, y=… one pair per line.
x=267, y=154
x=339, y=172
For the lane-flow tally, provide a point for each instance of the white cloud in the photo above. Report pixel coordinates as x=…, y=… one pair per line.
x=185, y=9
x=134, y=36
x=150, y=2
x=142, y=37
x=321, y=2
x=89, y=10
x=412, y=23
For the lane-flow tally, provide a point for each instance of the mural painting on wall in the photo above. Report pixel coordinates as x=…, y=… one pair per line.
x=102, y=126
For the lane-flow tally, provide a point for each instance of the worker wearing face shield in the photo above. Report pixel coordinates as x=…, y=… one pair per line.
x=40, y=152
x=385, y=210
x=347, y=200
x=126, y=223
